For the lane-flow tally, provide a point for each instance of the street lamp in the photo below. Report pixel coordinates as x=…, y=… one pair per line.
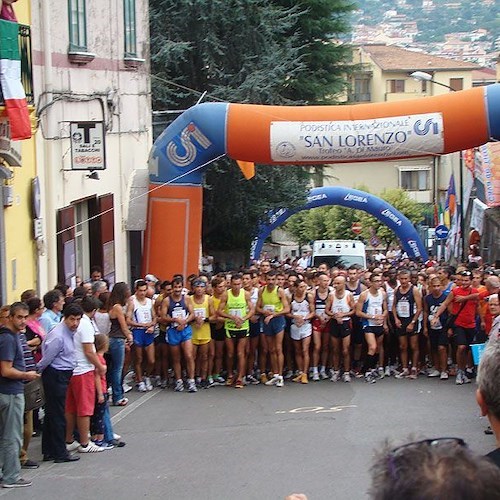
x=427, y=77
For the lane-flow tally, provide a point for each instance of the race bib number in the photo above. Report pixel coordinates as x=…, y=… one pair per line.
x=200, y=313
x=269, y=308
x=403, y=309
x=236, y=312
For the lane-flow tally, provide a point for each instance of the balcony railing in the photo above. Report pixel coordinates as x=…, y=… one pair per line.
x=26, y=64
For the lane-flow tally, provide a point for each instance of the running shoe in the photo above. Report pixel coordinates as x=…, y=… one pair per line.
x=72, y=446
x=433, y=373
x=273, y=381
x=280, y=382
x=252, y=380
x=288, y=375
x=148, y=384
x=413, y=374
x=141, y=387
x=90, y=448
x=370, y=377
x=179, y=386
x=264, y=379
x=315, y=376
x=323, y=375
x=403, y=374
x=346, y=377
x=211, y=382
x=229, y=381
x=192, y=385
x=20, y=483
x=335, y=376
x=469, y=372
x=387, y=371
x=164, y=384
x=103, y=444
x=239, y=384
x=219, y=380
x=381, y=372
x=126, y=387
x=459, y=380
x=444, y=376
x=298, y=378
x=121, y=402
x=465, y=378
x=305, y=379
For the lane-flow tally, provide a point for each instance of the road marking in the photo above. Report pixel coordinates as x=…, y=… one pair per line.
x=132, y=407
x=317, y=409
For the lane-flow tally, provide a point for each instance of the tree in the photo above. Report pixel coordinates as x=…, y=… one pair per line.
x=244, y=51
x=327, y=61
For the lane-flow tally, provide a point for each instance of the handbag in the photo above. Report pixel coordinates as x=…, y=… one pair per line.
x=34, y=396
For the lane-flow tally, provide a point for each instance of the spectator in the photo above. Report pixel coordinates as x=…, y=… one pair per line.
x=488, y=392
x=57, y=365
x=54, y=303
x=12, y=373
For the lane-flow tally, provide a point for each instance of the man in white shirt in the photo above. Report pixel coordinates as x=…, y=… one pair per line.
x=80, y=399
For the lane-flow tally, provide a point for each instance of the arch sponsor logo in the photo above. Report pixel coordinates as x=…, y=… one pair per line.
x=414, y=246
x=392, y=217
x=355, y=197
x=183, y=149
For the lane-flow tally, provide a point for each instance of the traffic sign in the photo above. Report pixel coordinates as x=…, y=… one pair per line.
x=356, y=227
x=441, y=232
x=374, y=241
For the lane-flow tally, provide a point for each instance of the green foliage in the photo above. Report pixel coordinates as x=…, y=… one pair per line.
x=255, y=51
x=335, y=222
x=326, y=61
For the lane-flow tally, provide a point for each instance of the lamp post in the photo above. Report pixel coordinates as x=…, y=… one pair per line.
x=427, y=77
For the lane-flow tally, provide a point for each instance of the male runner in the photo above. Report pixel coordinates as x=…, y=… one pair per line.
x=142, y=320
x=340, y=307
x=406, y=311
x=355, y=286
x=273, y=305
x=372, y=308
x=236, y=308
x=321, y=327
x=247, y=281
x=177, y=312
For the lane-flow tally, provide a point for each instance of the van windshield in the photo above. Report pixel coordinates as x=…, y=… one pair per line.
x=336, y=260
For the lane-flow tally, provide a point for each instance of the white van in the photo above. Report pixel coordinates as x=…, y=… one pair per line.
x=335, y=252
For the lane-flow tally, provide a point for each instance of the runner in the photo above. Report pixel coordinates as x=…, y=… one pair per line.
x=141, y=317
x=320, y=326
x=177, y=311
x=203, y=309
x=301, y=313
x=236, y=308
x=372, y=308
x=436, y=331
x=272, y=304
x=355, y=286
x=247, y=281
x=463, y=328
x=340, y=307
x=406, y=311
x=216, y=349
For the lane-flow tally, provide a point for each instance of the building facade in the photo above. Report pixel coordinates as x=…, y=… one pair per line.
x=94, y=131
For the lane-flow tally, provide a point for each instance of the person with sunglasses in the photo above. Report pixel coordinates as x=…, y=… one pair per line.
x=463, y=329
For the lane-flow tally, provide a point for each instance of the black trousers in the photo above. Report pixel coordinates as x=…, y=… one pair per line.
x=55, y=385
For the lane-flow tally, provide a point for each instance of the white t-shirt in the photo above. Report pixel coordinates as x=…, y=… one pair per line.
x=84, y=335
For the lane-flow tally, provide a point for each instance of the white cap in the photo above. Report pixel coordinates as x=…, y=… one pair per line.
x=151, y=277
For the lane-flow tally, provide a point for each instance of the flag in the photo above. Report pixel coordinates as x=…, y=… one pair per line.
x=10, y=81
x=451, y=202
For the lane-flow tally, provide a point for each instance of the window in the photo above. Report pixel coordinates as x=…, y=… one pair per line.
x=129, y=28
x=396, y=86
x=457, y=83
x=77, y=26
x=415, y=180
x=82, y=236
x=361, y=90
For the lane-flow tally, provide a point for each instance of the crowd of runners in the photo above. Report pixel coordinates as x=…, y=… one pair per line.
x=265, y=325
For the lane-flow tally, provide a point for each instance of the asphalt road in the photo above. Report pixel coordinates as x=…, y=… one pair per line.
x=259, y=442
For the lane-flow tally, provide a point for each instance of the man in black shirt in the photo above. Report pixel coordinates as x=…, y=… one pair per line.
x=12, y=374
x=488, y=392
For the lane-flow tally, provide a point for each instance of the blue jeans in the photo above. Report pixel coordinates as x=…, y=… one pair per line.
x=108, y=428
x=11, y=433
x=117, y=353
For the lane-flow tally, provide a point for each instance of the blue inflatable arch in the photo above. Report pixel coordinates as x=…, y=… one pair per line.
x=351, y=198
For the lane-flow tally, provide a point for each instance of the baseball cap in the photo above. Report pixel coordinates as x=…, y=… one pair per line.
x=199, y=283
x=151, y=277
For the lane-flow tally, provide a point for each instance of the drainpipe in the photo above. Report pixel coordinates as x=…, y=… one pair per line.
x=49, y=172
x=5, y=173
